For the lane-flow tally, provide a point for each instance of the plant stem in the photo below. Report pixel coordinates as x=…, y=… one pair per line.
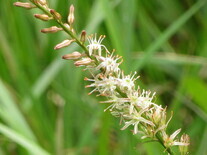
x=160, y=140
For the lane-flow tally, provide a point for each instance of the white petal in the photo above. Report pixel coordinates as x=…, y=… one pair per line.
x=175, y=134
x=180, y=143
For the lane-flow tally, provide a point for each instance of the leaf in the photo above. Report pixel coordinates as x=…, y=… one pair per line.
x=167, y=34
x=29, y=145
x=11, y=115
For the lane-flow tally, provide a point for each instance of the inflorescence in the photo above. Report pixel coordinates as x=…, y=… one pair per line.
x=134, y=106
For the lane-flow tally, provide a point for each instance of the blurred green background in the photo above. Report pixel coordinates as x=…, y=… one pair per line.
x=44, y=108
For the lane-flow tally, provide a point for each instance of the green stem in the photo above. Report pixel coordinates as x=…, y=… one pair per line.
x=160, y=140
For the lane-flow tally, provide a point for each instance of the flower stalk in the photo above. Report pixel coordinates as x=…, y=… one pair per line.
x=134, y=106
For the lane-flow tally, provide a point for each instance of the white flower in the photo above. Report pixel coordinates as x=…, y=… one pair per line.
x=126, y=83
x=135, y=119
x=169, y=140
x=95, y=45
x=142, y=100
x=106, y=86
x=109, y=63
x=145, y=100
x=117, y=103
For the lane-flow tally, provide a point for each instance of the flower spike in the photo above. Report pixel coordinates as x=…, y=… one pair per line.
x=135, y=107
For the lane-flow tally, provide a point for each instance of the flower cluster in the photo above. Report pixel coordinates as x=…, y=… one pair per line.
x=134, y=106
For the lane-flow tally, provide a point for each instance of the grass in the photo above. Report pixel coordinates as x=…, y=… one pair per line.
x=164, y=41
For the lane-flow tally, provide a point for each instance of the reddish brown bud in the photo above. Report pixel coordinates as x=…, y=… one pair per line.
x=71, y=17
x=72, y=56
x=52, y=29
x=43, y=17
x=83, y=62
x=85, y=78
x=24, y=5
x=65, y=43
x=55, y=14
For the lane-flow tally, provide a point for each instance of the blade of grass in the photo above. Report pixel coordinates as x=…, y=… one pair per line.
x=6, y=52
x=88, y=132
x=174, y=58
x=128, y=22
x=202, y=147
x=29, y=145
x=152, y=28
x=168, y=33
x=10, y=113
x=114, y=28
x=197, y=89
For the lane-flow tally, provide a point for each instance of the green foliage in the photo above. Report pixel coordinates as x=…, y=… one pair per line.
x=164, y=40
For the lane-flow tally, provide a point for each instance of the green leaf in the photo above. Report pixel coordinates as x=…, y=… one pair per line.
x=168, y=33
x=197, y=89
x=11, y=115
x=29, y=145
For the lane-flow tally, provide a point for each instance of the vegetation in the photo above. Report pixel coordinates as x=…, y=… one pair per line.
x=44, y=108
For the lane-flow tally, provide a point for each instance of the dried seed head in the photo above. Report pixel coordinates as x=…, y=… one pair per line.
x=83, y=62
x=65, y=43
x=52, y=29
x=72, y=56
x=24, y=5
x=71, y=17
x=43, y=17
x=83, y=36
x=55, y=14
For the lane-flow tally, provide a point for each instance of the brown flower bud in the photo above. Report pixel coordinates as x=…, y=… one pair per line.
x=55, y=14
x=71, y=17
x=52, y=29
x=72, y=56
x=83, y=62
x=43, y=17
x=24, y=5
x=83, y=36
x=65, y=43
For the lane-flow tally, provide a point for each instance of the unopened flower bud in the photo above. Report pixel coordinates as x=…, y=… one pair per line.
x=71, y=17
x=52, y=29
x=24, y=5
x=83, y=36
x=83, y=62
x=72, y=56
x=43, y=17
x=186, y=140
x=55, y=14
x=66, y=25
x=157, y=115
x=42, y=2
x=65, y=43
